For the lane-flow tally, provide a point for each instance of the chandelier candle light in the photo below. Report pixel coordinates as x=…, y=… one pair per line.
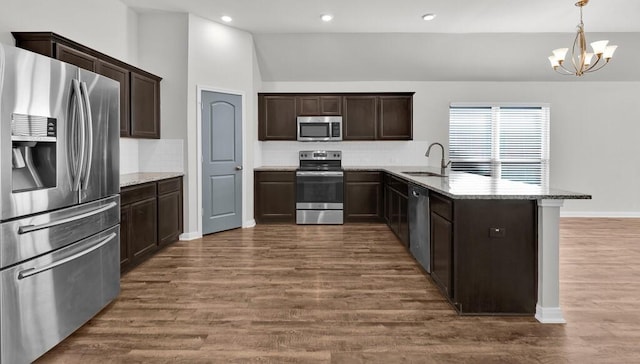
x=580, y=58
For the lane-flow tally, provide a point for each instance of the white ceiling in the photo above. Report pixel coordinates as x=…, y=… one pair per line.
x=455, y=46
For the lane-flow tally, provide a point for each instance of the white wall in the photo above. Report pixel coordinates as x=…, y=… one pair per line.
x=222, y=58
x=106, y=26
x=594, y=132
x=109, y=27
x=163, y=50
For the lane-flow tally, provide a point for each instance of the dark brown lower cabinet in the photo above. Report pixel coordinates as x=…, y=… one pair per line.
x=396, y=207
x=125, y=254
x=143, y=232
x=363, y=196
x=169, y=210
x=150, y=217
x=441, y=246
x=484, y=254
x=275, y=197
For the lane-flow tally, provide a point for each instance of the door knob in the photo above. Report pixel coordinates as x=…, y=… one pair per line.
x=238, y=168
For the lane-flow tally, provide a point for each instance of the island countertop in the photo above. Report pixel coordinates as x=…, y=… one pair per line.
x=461, y=185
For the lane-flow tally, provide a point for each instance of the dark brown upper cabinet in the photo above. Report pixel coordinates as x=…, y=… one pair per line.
x=311, y=105
x=139, y=90
x=75, y=57
x=121, y=75
x=365, y=116
x=395, y=117
x=378, y=117
x=277, y=117
x=359, y=118
x=145, y=110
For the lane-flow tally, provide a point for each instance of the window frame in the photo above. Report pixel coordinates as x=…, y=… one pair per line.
x=496, y=161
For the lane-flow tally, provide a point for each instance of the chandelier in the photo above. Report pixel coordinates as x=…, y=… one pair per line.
x=582, y=61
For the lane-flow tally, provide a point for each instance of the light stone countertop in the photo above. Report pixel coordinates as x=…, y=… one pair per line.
x=131, y=179
x=460, y=185
x=276, y=168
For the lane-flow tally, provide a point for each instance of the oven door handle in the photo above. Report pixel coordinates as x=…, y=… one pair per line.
x=321, y=174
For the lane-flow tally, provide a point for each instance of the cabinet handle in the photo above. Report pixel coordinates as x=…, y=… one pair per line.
x=238, y=168
x=415, y=194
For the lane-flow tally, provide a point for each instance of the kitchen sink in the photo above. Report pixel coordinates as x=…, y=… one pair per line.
x=423, y=174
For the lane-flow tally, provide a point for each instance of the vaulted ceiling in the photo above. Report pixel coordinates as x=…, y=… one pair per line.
x=371, y=40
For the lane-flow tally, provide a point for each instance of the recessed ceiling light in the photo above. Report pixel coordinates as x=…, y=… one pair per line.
x=326, y=17
x=429, y=16
x=226, y=18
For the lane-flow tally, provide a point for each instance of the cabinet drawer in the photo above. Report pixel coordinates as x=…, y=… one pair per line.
x=137, y=193
x=397, y=184
x=275, y=176
x=363, y=176
x=169, y=185
x=441, y=205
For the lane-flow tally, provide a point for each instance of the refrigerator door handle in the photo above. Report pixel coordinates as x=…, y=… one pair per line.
x=33, y=271
x=80, y=106
x=89, y=128
x=29, y=228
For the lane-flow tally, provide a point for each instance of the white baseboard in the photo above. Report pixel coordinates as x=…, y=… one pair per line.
x=603, y=214
x=549, y=315
x=249, y=224
x=190, y=236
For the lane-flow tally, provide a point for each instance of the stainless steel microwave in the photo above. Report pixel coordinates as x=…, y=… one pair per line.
x=319, y=128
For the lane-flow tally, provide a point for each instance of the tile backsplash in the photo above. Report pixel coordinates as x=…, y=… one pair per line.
x=161, y=155
x=151, y=155
x=369, y=153
x=129, y=156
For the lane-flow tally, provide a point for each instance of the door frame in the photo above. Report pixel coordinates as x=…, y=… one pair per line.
x=243, y=99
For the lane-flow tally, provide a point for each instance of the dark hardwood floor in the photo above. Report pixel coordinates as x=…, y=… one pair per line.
x=352, y=294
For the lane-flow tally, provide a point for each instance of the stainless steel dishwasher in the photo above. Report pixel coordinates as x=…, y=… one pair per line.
x=419, y=236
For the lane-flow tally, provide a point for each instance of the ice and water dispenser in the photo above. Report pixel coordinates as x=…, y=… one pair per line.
x=33, y=152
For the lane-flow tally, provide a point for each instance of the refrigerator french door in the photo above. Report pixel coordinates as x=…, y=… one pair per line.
x=59, y=214
x=59, y=144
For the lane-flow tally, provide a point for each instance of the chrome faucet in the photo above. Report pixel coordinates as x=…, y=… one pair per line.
x=443, y=165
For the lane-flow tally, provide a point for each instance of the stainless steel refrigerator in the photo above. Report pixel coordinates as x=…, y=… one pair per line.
x=60, y=208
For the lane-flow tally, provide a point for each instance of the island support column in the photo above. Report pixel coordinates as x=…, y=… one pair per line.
x=548, y=308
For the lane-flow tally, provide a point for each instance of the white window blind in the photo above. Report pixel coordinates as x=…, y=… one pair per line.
x=510, y=142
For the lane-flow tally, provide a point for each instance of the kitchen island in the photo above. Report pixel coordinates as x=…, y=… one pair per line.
x=470, y=188
x=472, y=197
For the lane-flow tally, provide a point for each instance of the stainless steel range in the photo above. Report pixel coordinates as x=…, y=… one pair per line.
x=319, y=188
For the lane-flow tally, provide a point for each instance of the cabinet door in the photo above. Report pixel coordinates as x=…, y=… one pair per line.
x=275, y=197
x=277, y=117
x=496, y=255
x=359, y=117
x=403, y=219
x=395, y=118
x=441, y=253
x=121, y=75
x=387, y=204
x=363, y=197
x=311, y=105
x=75, y=57
x=143, y=237
x=145, y=106
x=169, y=217
x=125, y=224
